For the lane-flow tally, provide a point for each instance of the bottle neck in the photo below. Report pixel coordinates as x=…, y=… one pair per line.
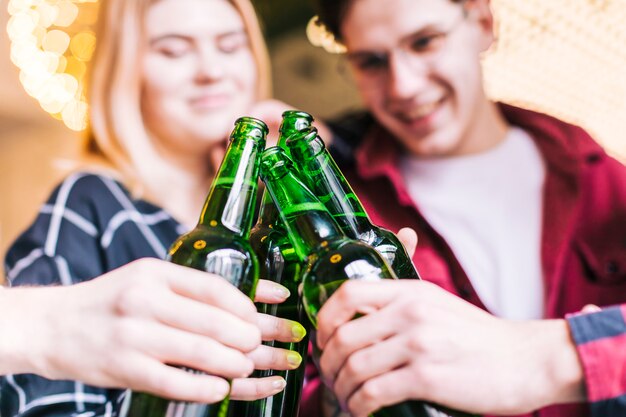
x=268, y=213
x=293, y=121
x=308, y=222
x=230, y=204
x=327, y=182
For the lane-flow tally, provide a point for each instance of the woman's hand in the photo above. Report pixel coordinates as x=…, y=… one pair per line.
x=265, y=357
x=125, y=328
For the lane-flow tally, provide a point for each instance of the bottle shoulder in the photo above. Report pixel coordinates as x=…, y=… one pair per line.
x=350, y=259
x=375, y=235
x=207, y=240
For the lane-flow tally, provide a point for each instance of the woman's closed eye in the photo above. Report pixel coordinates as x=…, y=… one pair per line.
x=233, y=42
x=172, y=48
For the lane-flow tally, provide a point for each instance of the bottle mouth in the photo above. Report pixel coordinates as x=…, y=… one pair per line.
x=274, y=163
x=303, y=120
x=299, y=114
x=306, y=144
x=262, y=131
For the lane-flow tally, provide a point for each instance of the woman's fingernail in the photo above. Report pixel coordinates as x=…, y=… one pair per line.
x=221, y=390
x=298, y=331
x=279, y=384
x=294, y=358
x=282, y=292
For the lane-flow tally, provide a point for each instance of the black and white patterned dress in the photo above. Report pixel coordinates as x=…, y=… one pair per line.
x=90, y=225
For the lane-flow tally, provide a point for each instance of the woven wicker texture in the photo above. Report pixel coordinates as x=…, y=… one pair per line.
x=566, y=58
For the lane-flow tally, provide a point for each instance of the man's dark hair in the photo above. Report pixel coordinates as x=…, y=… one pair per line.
x=332, y=12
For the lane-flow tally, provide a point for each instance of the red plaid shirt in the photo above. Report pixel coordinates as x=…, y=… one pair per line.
x=583, y=247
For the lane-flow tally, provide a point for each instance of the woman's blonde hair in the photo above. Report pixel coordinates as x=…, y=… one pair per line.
x=117, y=135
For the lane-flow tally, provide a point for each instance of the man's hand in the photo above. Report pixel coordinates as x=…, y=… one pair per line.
x=416, y=341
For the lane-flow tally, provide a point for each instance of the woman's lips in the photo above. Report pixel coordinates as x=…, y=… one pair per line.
x=210, y=101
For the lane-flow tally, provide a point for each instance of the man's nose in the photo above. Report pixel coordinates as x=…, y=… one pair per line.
x=407, y=76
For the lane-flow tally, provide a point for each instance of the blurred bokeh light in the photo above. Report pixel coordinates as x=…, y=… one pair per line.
x=562, y=57
x=566, y=58
x=50, y=45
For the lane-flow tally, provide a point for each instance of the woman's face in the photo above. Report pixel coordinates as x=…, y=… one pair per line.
x=199, y=74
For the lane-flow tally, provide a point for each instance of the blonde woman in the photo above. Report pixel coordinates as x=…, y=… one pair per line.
x=168, y=79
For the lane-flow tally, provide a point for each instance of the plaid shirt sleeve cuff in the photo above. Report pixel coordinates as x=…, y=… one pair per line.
x=601, y=343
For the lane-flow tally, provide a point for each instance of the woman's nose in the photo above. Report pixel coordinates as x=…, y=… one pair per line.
x=209, y=66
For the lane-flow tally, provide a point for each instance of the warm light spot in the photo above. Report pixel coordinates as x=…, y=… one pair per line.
x=75, y=115
x=53, y=107
x=70, y=84
x=68, y=12
x=23, y=53
x=32, y=84
x=21, y=25
x=16, y=6
x=83, y=45
x=335, y=258
x=55, y=91
x=76, y=68
x=62, y=66
x=39, y=64
x=88, y=16
x=50, y=45
x=318, y=35
x=56, y=41
x=39, y=34
x=48, y=13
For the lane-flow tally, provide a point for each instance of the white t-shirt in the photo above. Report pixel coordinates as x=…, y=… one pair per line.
x=488, y=208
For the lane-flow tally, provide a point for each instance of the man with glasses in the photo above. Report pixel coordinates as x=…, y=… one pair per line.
x=518, y=213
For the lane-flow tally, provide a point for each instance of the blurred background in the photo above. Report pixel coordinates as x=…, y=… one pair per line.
x=563, y=57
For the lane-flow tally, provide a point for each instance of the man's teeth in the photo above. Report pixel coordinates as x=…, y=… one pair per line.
x=422, y=110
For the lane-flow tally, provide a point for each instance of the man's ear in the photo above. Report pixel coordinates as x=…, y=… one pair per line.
x=480, y=12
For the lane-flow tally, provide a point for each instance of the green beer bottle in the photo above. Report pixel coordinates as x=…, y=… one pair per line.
x=294, y=121
x=324, y=178
x=331, y=257
x=219, y=244
x=278, y=262
x=268, y=233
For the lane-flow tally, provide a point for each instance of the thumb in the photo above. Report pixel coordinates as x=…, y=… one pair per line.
x=408, y=237
x=590, y=308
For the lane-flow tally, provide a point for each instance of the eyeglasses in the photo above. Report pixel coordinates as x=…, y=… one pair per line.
x=371, y=67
